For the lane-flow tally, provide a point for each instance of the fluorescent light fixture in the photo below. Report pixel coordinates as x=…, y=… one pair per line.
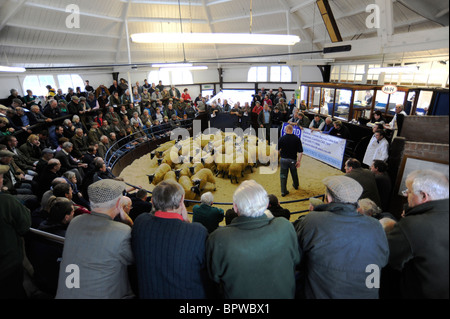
x=395, y=69
x=11, y=69
x=171, y=65
x=217, y=38
x=190, y=68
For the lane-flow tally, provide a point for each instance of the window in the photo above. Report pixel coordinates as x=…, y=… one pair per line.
x=182, y=77
x=156, y=76
x=67, y=81
x=342, y=105
x=233, y=96
x=257, y=74
x=424, y=102
x=280, y=74
x=335, y=71
x=171, y=77
x=38, y=83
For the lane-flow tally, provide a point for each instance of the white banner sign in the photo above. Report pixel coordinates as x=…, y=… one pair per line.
x=323, y=147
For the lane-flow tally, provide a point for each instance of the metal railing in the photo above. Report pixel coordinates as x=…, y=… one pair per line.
x=49, y=236
x=130, y=142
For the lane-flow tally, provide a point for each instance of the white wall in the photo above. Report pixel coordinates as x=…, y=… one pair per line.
x=236, y=74
x=7, y=83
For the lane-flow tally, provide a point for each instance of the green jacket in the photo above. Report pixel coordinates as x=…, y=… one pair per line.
x=15, y=221
x=208, y=216
x=254, y=258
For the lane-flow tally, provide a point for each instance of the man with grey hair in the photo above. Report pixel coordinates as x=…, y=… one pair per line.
x=418, y=243
x=51, y=110
x=337, y=244
x=254, y=256
x=39, y=116
x=97, y=249
x=103, y=146
x=169, y=250
x=80, y=144
x=205, y=214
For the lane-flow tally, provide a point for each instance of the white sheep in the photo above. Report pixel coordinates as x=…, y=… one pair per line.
x=202, y=177
x=195, y=168
x=235, y=170
x=159, y=174
x=190, y=191
x=170, y=175
x=183, y=170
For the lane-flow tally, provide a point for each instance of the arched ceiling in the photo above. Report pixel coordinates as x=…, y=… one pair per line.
x=33, y=33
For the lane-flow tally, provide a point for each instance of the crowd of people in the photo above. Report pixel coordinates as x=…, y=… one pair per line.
x=338, y=250
x=128, y=244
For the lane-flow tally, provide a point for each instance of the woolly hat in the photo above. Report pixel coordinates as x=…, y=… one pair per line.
x=105, y=190
x=343, y=189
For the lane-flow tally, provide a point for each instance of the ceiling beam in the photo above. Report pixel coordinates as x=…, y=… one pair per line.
x=342, y=15
x=166, y=20
x=64, y=31
x=369, y=31
x=404, y=42
x=122, y=29
x=10, y=13
x=297, y=21
x=247, y=16
x=165, y=3
x=337, y=17
x=211, y=27
x=55, y=47
x=386, y=29
x=63, y=10
x=301, y=5
x=182, y=3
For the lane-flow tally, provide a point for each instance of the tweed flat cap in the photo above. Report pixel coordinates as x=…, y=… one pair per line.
x=6, y=153
x=344, y=189
x=105, y=190
x=4, y=169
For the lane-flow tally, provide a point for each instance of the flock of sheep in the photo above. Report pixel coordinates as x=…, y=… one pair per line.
x=195, y=162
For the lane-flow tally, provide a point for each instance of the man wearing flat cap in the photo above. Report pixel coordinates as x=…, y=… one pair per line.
x=15, y=221
x=338, y=245
x=99, y=246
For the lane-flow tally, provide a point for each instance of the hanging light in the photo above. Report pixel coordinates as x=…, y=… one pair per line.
x=216, y=38
x=171, y=65
x=190, y=68
x=4, y=68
